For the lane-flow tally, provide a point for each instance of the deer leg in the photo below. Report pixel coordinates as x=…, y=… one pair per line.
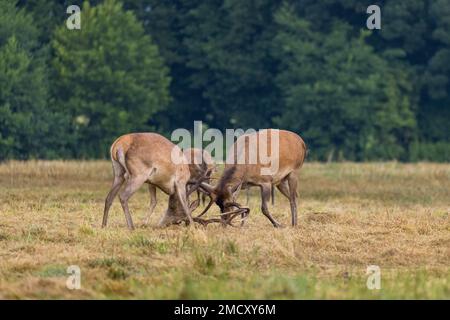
x=132, y=185
x=283, y=187
x=203, y=199
x=292, y=180
x=265, y=197
x=153, y=201
x=272, y=194
x=198, y=195
x=181, y=193
x=117, y=183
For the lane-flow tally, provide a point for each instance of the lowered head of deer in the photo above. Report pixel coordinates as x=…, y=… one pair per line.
x=175, y=212
x=246, y=166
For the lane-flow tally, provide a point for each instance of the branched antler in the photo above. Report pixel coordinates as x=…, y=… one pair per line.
x=226, y=218
x=230, y=215
x=196, y=184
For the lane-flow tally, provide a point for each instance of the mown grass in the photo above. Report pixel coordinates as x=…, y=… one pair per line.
x=392, y=215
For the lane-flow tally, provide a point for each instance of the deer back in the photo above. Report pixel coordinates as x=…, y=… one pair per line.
x=151, y=154
x=248, y=158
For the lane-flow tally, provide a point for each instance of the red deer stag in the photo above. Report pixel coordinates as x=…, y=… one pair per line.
x=139, y=158
x=243, y=173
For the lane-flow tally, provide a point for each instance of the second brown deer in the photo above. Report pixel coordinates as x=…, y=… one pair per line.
x=290, y=155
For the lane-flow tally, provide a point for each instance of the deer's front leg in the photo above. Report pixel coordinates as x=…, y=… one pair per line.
x=182, y=198
x=153, y=201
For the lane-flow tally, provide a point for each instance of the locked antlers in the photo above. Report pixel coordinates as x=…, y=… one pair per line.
x=226, y=218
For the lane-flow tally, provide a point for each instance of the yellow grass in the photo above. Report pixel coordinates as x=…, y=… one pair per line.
x=351, y=216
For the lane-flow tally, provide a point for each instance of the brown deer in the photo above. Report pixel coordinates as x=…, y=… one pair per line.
x=139, y=158
x=241, y=173
x=201, y=166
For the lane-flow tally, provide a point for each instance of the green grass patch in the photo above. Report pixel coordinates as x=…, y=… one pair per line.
x=50, y=271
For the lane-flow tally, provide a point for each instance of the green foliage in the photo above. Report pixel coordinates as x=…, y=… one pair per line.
x=24, y=118
x=344, y=98
x=418, y=29
x=109, y=77
x=438, y=151
x=18, y=23
x=309, y=66
x=228, y=51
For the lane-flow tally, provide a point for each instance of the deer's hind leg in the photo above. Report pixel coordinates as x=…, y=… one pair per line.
x=292, y=180
x=117, y=183
x=265, y=197
x=283, y=187
x=288, y=187
x=132, y=185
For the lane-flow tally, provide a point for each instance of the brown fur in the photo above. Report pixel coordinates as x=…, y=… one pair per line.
x=204, y=165
x=140, y=158
x=292, y=153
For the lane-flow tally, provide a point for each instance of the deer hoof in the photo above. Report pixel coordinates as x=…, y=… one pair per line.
x=279, y=225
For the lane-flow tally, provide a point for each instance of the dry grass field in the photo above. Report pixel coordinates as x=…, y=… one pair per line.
x=351, y=215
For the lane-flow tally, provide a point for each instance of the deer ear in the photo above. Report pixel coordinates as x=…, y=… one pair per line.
x=194, y=205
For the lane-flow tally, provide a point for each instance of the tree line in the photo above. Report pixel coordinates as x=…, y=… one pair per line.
x=154, y=65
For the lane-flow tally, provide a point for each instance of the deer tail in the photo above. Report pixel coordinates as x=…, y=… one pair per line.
x=305, y=152
x=121, y=159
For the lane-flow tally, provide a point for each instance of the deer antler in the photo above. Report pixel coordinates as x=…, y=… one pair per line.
x=209, y=190
x=226, y=218
x=197, y=184
x=230, y=215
